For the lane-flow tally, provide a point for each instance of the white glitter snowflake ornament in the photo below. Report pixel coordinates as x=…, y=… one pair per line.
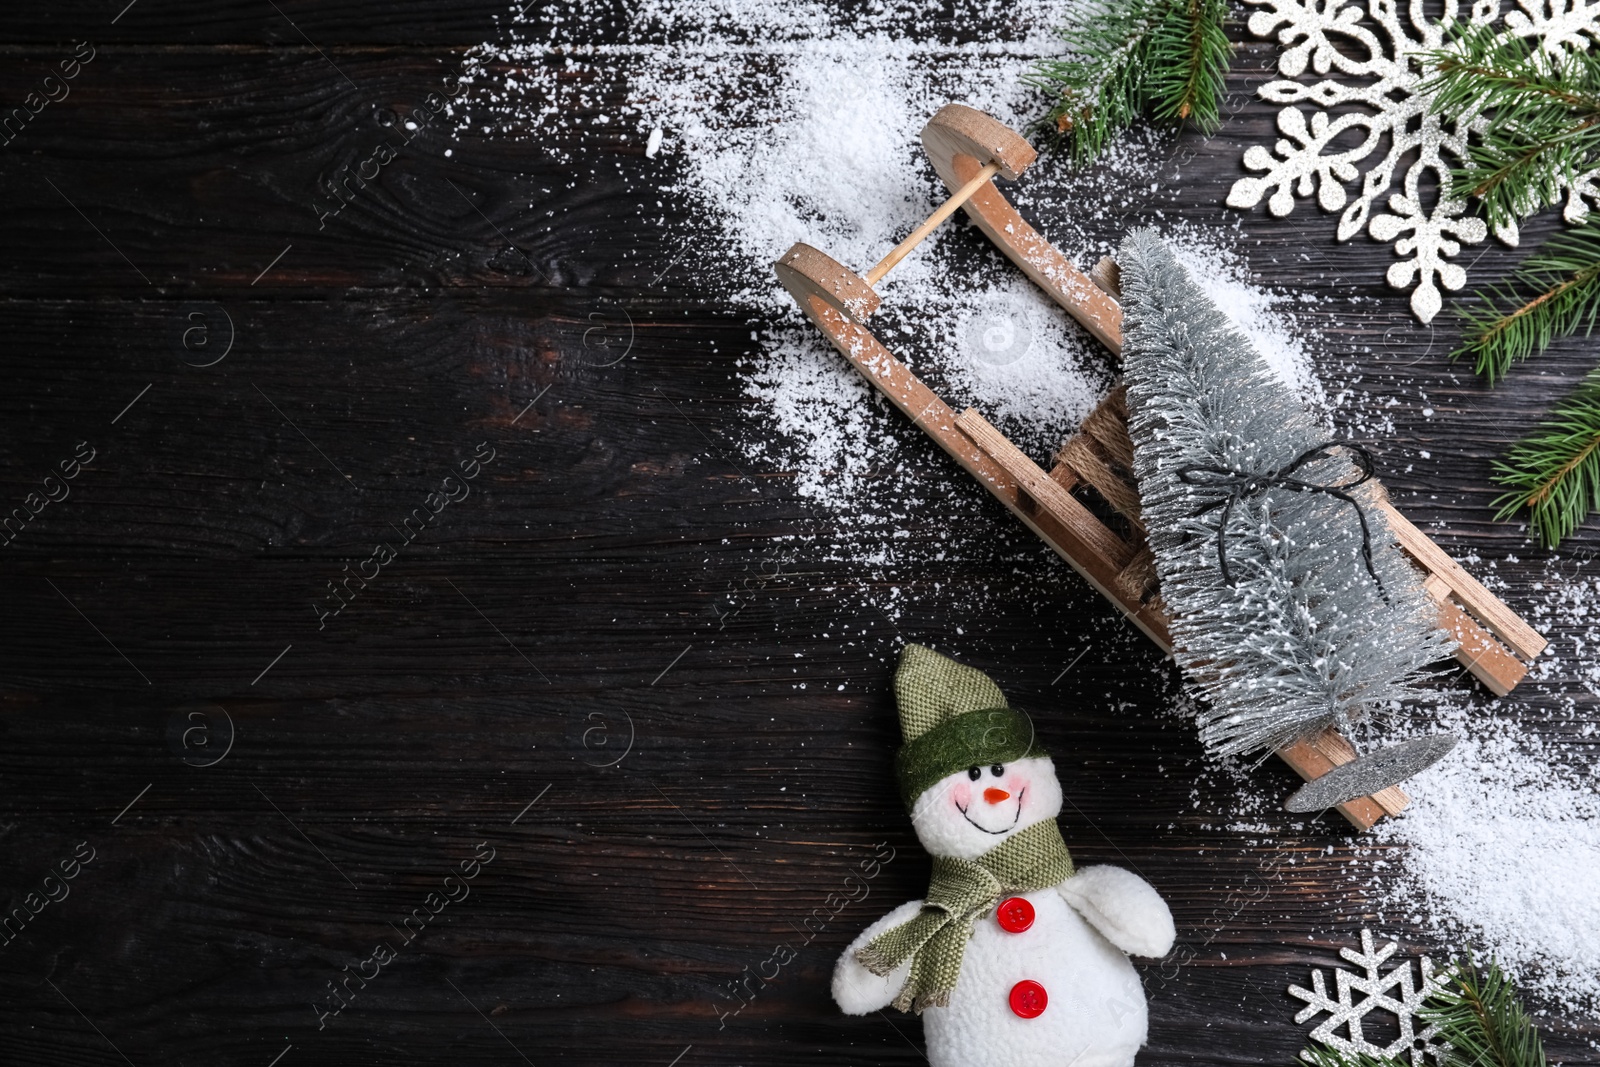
x=1395, y=993
x=1367, y=110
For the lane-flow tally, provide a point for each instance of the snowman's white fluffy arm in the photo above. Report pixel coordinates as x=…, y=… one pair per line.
x=857, y=990
x=1125, y=908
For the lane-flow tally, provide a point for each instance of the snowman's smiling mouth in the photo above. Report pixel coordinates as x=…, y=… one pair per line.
x=1004, y=829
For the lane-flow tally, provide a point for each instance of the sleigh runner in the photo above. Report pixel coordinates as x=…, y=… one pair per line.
x=969, y=149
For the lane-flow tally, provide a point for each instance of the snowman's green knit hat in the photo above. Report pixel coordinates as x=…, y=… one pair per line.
x=952, y=717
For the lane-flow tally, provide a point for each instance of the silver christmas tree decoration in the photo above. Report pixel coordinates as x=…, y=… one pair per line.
x=1292, y=608
x=1398, y=993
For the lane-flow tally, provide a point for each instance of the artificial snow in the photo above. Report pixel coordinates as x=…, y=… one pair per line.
x=1502, y=845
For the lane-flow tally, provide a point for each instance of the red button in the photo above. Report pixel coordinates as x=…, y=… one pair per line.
x=1015, y=915
x=1028, y=999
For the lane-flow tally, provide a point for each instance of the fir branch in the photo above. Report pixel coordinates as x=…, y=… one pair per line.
x=1127, y=58
x=1099, y=82
x=1555, y=472
x=1191, y=90
x=1545, y=130
x=1556, y=292
x=1484, y=1023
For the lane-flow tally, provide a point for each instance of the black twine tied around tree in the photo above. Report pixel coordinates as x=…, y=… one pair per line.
x=1240, y=486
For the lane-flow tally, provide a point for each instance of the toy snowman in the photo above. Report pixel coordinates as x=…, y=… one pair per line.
x=1014, y=958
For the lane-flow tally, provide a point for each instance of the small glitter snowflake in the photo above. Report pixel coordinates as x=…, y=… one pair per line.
x=1396, y=993
x=1374, y=46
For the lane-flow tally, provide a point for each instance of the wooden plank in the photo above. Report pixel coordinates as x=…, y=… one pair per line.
x=1107, y=276
x=1488, y=660
x=1524, y=640
x=1064, y=524
x=1064, y=476
x=1038, y=258
x=239, y=27
x=1047, y=493
x=606, y=538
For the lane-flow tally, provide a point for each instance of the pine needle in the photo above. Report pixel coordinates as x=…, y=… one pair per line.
x=1193, y=89
x=1545, y=129
x=1555, y=292
x=1100, y=82
x=1485, y=1025
x=1128, y=58
x=1555, y=472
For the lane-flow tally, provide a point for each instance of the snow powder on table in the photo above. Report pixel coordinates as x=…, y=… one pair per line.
x=791, y=121
x=794, y=122
x=1502, y=845
x=1502, y=839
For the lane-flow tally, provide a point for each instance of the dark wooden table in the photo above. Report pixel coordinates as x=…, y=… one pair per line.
x=577, y=688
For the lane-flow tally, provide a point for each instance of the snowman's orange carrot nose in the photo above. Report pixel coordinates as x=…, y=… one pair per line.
x=995, y=796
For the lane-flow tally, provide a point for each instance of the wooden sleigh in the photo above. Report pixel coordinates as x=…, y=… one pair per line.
x=969, y=149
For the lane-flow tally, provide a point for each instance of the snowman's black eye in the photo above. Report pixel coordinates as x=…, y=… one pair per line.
x=998, y=770
x=974, y=773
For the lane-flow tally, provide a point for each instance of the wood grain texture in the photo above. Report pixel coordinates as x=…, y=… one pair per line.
x=621, y=569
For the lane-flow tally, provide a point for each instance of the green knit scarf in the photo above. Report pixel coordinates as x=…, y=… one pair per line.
x=960, y=893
